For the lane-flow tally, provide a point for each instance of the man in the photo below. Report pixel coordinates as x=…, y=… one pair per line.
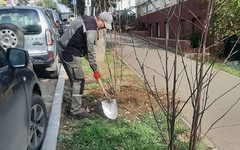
x=80, y=39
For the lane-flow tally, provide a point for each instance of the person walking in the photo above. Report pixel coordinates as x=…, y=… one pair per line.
x=80, y=40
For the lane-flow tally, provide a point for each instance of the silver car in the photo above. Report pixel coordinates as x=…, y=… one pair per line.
x=29, y=28
x=54, y=15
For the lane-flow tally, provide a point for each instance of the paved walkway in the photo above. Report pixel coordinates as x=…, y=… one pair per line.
x=226, y=133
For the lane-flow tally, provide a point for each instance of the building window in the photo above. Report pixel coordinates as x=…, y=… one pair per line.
x=158, y=29
x=151, y=30
x=183, y=34
x=166, y=25
x=167, y=2
x=195, y=23
x=149, y=7
x=157, y=3
x=144, y=10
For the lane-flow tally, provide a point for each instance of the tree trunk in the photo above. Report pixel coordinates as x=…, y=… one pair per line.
x=101, y=46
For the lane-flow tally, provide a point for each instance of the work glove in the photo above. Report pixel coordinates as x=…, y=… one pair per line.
x=97, y=75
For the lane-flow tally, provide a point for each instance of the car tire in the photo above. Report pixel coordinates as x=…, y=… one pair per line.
x=11, y=36
x=38, y=123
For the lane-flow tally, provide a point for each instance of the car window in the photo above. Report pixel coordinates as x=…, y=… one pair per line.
x=54, y=15
x=50, y=18
x=130, y=13
x=49, y=15
x=3, y=59
x=26, y=19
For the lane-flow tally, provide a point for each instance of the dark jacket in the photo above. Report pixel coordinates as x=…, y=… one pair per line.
x=80, y=39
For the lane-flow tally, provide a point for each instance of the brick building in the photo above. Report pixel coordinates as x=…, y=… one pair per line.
x=153, y=16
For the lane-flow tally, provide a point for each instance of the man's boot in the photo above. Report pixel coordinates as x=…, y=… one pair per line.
x=76, y=106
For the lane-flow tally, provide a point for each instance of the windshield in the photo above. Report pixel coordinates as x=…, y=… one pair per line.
x=27, y=20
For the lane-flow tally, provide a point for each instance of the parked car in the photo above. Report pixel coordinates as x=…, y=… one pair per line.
x=127, y=19
x=72, y=17
x=55, y=16
x=65, y=18
x=23, y=117
x=30, y=28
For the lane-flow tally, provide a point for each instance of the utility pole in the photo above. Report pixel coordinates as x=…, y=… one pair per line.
x=93, y=8
x=74, y=3
x=90, y=11
x=75, y=8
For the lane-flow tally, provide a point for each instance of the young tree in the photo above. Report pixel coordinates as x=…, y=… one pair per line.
x=198, y=78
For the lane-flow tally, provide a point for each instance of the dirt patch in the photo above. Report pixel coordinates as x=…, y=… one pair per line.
x=132, y=100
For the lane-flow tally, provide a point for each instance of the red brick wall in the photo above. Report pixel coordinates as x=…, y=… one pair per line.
x=185, y=44
x=161, y=42
x=195, y=6
x=141, y=33
x=198, y=8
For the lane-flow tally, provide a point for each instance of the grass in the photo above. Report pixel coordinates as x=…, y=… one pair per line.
x=225, y=68
x=102, y=134
x=91, y=86
x=89, y=96
x=218, y=64
x=86, y=68
x=106, y=79
x=124, y=133
x=229, y=70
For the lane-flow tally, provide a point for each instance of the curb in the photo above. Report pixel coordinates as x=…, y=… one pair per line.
x=50, y=141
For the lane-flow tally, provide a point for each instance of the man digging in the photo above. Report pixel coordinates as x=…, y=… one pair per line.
x=80, y=40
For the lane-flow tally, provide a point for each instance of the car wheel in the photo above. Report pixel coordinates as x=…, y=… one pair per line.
x=11, y=36
x=38, y=123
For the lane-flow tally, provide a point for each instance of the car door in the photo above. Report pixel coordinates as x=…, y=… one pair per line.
x=13, y=108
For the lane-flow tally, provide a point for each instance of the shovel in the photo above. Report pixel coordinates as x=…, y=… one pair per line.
x=109, y=106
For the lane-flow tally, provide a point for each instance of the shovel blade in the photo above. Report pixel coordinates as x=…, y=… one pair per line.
x=110, y=108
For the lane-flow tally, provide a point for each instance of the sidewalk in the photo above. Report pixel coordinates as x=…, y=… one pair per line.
x=226, y=133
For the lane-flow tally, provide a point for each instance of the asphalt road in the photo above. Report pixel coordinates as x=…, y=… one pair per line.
x=48, y=87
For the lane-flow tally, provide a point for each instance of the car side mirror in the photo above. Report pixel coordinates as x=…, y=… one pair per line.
x=17, y=58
